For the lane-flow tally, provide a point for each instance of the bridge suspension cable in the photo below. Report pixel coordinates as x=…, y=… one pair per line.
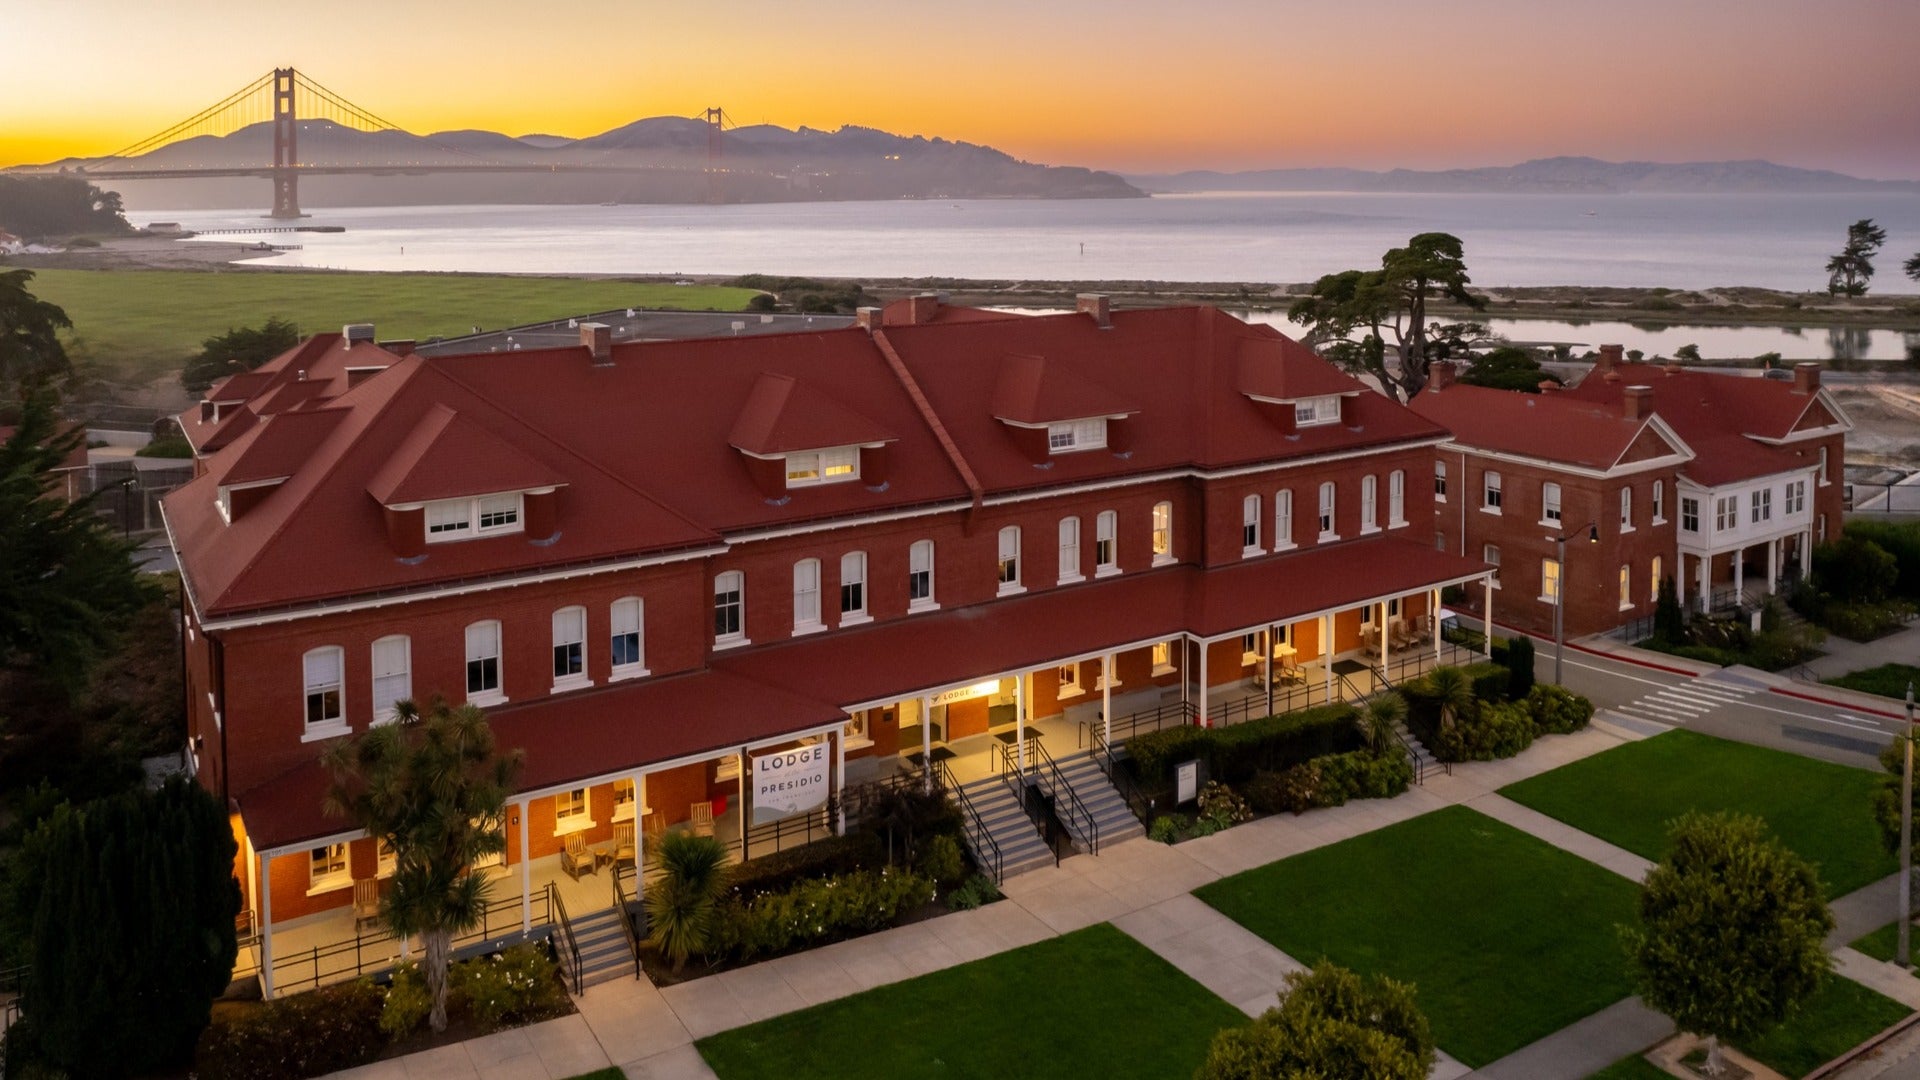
x=204, y=122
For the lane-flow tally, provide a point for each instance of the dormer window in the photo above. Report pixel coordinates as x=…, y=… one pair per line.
x=458, y=519
x=823, y=466
x=1317, y=410
x=1071, y=435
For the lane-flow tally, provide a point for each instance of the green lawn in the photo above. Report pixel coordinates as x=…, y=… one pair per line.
x=1841, y=1015
x=1507, y=939
x=1627, y=795
x=1093, y=1003
x=1887, y=680
x=140, y=324
x=1636, y=1067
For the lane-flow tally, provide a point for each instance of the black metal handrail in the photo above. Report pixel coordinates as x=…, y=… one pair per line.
x=1126, y=727
x=1077, y=812
x=569, y=947
x=365, y=954
x=623, y=909
x=1352, y=693
x=13, y=984
x=1121, y=779
x=986, y=848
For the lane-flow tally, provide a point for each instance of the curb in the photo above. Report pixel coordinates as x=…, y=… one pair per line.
x=1634, y=660
x=1873, y=1043
x=1784, y=692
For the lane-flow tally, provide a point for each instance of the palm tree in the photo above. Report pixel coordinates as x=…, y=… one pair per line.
x=1453, y=691
x=434, y=788
x=680, y=904
x=1383, y=714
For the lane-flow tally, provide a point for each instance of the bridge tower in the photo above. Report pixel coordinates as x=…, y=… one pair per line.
x=286, y=178
x=715, y=117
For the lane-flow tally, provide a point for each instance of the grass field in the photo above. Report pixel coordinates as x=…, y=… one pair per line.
x=141, y=324
x=1841, y=1015
x=1887, y=680
x=1628, y=794
x=1507, y=939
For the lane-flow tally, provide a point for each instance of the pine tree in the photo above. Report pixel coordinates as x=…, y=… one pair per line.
x=1520, y=667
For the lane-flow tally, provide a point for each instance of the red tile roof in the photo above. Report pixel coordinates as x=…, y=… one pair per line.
x=1281, y=369
x=278, y=445
x=310, y=373
x=1036, y=390
x=1549, y=427
x=449, y=456
x=1716, y=414
x=782, y=414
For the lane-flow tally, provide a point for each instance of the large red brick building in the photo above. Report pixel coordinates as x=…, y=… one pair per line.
x=659, y=566
x=1720, y=483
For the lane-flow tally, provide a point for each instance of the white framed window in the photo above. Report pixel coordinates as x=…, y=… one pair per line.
x=623, y=800
x=1283, y=519
x=1069, y=676
x=1654, y=578
x=1626, y=509
x=488, y=515
x=1659, y=502
x=1010, y=561
x=1626, y=587
x=1251, y=648
x=1069, y=550
x=627, y=637
x=1490, y=497
x=572, y=812
x=920, y=576
x=323, y=670
x=1550, y=581
x=1440, y=481
x=392, y=675
x=1796, y=501
x=1826, y=477
x=1549, y=503
x=806, y=596
x=1162, y=533
x=1491, y=555
x=823, y=466
x=1396, y=498
x=1162, y=657
x=1250, y=526
x=1072, y=435
x=1326, y=511
x=853, y=588
x=1689, y=515
x=1318, y=410
x=328, y=868
x=1763, y=505
x=483, y=663
x=1106, y=554
x=729, y=608
x=569, y=647
x=1726, y=512
x=1369, y=503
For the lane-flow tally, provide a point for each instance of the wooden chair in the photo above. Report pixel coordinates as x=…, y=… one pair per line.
x=700, y=818
x=1289, y=672
x=366, y=902
x=1401, y=635
x=576, y=859
x=622, y=849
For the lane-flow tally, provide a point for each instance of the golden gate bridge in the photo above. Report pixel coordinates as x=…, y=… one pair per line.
x=285, y=97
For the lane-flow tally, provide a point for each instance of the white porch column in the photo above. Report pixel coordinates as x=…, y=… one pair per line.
x=1679, y=581
x=1773, y=566
x=1739, y=575
x=1266, y=665
x=526, y=867
x=1204, y=722
x=740, y=798
x=926, y=739
x=1326, y=653
x=840, y=782
x=1383, y=635
x=1106, y=698
x=1486, y=588
x=1433, y=622
x=266, y=928
x=640, y=808
x=1706, y=580
x=1806, y=552
x=253, y=881
x=1020, y=723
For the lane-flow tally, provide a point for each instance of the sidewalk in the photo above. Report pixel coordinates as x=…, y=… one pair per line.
x=1843, y=656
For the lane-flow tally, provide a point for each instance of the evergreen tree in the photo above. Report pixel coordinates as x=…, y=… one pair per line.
x=1330, y=1025
x=1520, y=667
x=1390, y=300
x=239, y=349
x=1849, y=272
x=1669, y=622
x=1508, y=368
x=129, y=905
x=30, y=349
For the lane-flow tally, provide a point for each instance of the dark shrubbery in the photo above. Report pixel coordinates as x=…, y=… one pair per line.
x=1234, y=754
x=1864, y=583
x=1519, y=667
x=823, y=858
x=1331, y=781
x=304, y=1035
x=816, y=911
x=516, y=986
x=1497, y=729
x=1557, y=710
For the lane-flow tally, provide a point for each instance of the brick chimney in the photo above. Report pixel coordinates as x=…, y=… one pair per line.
x=1636, y=403
x=399, y=347
x=1806, y=379
x=1548, y=386
x=922, y=307
x=357, y=332
x=1610, y=358
x=868, y=318
x=1097, y=305
x=598, y=339
x=1440, y=375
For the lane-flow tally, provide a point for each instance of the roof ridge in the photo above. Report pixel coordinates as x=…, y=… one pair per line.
x=925, y=408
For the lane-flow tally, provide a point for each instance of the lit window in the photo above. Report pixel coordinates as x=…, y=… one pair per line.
x=823, y=466
x=1162, y=655
x=1105, y=554
x=1320, y=410
x=1064, y=438
x=1626, y=587
x=570, y=811
x=729, y=607
x=920, y=575
x=457, y=519
x=1654, y=579
x=623, y=800
x=1250, y=648
x=1439, y=481
x=1689, y=515
x=1397, y=498
x=1250, y=525
x=1069, y=550
x=1491, y=498
x=806, y=595
x=1491, y=555
x=1550, y=581
x=1659, y=502
x=853, y=586
x=483, y=663
x=1369, y=504
x=1069, y=676
x=1550, y=503
x=1283, y=519
x=1162, y=533
x=627, y=640
x=1010, y=560
x=327, y=868
x=1763, y=505
x=1326, y=511
x=1626, y=509
x=570, y=646
x=323, y=682
x=392, y=675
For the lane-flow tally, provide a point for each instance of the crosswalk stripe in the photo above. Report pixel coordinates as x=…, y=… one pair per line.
x=1665, y=711
x=1687, y=704
x=1725, y=687
x=1710, y=694
x=1643, y=714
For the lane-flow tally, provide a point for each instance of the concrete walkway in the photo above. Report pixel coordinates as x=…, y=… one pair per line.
x=1841, y=656
x=1584, y=1047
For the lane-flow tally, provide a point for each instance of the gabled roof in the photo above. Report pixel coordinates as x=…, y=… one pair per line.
x=1548, y=427
x=278, y=445
x=1281, y=369
x=448, y=455
x=783, y=415
x=1035, y=390
x=305, y=376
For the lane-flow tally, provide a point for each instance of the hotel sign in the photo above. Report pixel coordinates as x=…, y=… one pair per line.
x=790, y=782
x=966, y=693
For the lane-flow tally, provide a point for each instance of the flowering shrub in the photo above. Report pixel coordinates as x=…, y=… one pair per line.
x=509, y=987
x=408, y=1001
x=814, y=912
x=977, y=890
x=1557, y=710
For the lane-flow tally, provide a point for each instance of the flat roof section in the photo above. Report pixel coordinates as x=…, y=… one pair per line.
x=632, y=324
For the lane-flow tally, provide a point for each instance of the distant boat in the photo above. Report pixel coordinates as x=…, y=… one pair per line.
x=1591, y=213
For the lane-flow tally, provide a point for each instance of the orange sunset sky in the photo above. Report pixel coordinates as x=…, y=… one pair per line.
x=1229, y=84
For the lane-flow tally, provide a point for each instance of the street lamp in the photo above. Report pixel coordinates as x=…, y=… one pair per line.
x=1906, y=837
x=1560, y=596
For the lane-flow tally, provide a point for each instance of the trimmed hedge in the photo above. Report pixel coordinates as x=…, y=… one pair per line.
x=782, y=870
x=814, y=912
x=323, y=1031
x=1331, y=781
x=1235, y=753
x=1497, y=729
x=1557, y=710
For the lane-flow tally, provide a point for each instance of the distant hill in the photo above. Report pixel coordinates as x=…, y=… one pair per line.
x=1568, y=175
x=762, y=163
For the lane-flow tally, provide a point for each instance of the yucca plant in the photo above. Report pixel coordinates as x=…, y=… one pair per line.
x=1383, y=714
x=680, y=904
x=1453, y=691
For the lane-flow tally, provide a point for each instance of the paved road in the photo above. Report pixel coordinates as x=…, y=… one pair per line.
x=1727, y=706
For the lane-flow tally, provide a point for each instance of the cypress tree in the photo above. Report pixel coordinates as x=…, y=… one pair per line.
x=1520, y=665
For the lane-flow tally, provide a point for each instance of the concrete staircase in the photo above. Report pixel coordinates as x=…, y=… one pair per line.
x=1113, y=819
x=604, y=953
x=1021, y=846
x=1424, y=763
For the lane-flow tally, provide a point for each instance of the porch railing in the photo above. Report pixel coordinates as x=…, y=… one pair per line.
x=1122, y=779
x=986, y=850
x=566, y=946
x=1171, y=714
x=367, y=954
x=623, y=904
x=1066, y=801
